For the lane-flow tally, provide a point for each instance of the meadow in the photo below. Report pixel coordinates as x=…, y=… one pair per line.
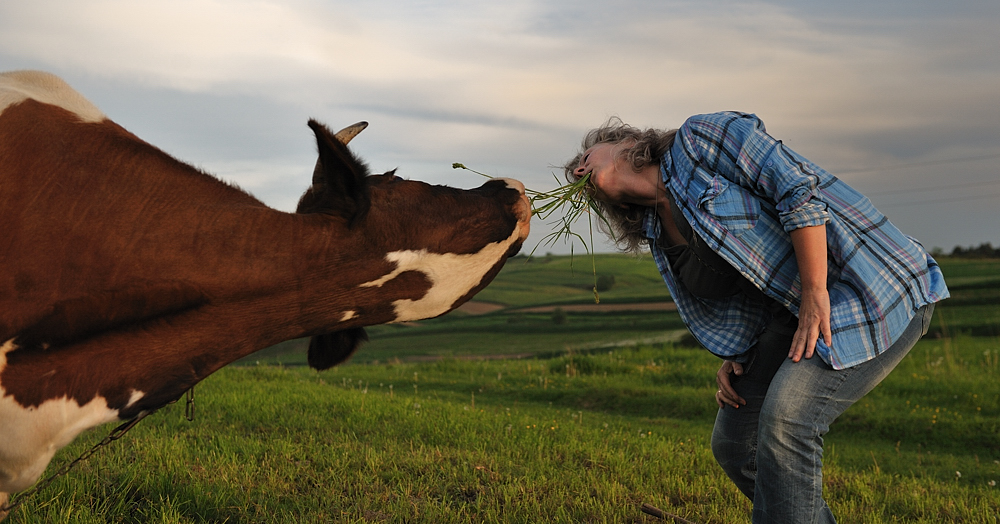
x=598, y=413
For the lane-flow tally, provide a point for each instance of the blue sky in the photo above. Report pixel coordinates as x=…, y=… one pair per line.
x=899, y=98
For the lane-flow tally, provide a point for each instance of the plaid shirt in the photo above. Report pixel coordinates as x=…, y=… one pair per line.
x=742, y=191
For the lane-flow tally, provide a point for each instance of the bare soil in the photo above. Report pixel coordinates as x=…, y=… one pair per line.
x=474, y=307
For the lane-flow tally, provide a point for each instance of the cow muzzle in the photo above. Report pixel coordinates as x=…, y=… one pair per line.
x=522, y=209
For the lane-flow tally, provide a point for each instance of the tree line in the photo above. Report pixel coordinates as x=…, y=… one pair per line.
x=984, y=250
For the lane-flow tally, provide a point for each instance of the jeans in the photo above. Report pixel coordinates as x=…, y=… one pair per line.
x=772, y=447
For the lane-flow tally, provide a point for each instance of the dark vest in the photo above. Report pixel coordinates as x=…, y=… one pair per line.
x=707, y=275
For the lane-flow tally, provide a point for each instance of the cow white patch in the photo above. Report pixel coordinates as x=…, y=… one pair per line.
x=29, y=437
x=17, y=86
x=348, y=315
x=452, y=276
x=134, y=397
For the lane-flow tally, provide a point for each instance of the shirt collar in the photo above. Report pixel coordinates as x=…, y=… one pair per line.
x=651, y=223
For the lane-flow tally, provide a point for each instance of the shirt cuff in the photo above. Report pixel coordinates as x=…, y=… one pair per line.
x=812, y=212
x=742, y=358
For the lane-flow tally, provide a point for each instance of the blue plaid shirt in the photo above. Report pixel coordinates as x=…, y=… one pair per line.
x=742, y=191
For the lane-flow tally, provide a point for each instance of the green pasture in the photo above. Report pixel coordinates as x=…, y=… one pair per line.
x=583, y=427
x=553, y=280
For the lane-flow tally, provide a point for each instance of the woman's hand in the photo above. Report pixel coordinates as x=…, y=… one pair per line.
x=809, y=244
x=727, y=396
x=814, y=321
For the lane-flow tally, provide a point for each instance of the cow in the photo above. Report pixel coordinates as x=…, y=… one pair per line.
x=127, y=276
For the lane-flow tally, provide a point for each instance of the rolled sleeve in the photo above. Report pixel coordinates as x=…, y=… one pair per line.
x=791, y=182
x=780, y=175
x=812, y=212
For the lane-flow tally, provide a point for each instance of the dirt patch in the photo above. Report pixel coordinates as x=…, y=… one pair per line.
x=437, y=358
x=473, y=307
x=647, y=306
x=671, y=336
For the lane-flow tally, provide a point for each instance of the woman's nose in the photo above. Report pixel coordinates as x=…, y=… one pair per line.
x=579, y=172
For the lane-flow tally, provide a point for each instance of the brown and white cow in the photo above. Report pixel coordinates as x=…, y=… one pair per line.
x=127, y=276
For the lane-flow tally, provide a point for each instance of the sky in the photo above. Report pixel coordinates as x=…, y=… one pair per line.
x=899, y=98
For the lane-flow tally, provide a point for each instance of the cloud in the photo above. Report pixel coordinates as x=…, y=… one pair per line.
x=185, y=44
x=509, y=87
x=536, y=64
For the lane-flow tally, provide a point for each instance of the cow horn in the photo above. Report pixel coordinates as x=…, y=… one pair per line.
x=346, y=134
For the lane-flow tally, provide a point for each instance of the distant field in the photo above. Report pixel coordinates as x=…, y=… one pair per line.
x=974, y=309
x=570, y=280
x=600, y=413
x=546, y=281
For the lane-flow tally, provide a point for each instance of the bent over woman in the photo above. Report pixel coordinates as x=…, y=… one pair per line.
x=809, y=294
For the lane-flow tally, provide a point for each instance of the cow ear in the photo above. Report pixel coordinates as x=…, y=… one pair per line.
x=338, y=185
x=326, y=351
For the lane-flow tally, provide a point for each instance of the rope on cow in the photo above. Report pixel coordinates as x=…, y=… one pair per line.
x=115, y=434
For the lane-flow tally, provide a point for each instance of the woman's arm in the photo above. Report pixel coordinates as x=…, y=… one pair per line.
x=736, y=146
x=809, y=244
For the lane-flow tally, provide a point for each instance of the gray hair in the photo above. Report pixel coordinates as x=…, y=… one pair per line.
x=623, y=223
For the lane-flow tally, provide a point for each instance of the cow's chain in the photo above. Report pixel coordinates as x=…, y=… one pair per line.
x=115, y=434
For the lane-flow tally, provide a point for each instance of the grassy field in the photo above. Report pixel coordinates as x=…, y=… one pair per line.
x=546, y=281
x=583, y=430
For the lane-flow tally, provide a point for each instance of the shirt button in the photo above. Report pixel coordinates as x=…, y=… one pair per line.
x=770, y=163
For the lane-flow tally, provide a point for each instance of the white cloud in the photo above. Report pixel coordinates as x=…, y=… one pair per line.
x=511, y=60
x=183, y=44
x=508, y=87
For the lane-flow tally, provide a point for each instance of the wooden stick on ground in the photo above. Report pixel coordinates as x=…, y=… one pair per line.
x=659, y=513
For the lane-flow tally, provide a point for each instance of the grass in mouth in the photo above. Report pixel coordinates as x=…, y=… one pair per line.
x=562, y=207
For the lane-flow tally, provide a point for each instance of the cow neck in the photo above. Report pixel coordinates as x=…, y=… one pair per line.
x=331, y=264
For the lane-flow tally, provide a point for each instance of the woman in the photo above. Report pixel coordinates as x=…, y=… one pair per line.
x=772, y=261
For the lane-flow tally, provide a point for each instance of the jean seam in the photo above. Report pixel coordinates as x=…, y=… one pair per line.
x=817, y=462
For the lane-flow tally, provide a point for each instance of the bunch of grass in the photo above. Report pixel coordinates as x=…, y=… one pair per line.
x=562, y=207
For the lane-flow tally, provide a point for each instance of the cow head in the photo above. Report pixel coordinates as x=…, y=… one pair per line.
x=442, y=244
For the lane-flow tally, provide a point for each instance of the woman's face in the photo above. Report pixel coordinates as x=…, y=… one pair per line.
x=606, y=169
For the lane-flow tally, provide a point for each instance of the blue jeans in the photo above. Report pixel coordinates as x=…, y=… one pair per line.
x=772, y=447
